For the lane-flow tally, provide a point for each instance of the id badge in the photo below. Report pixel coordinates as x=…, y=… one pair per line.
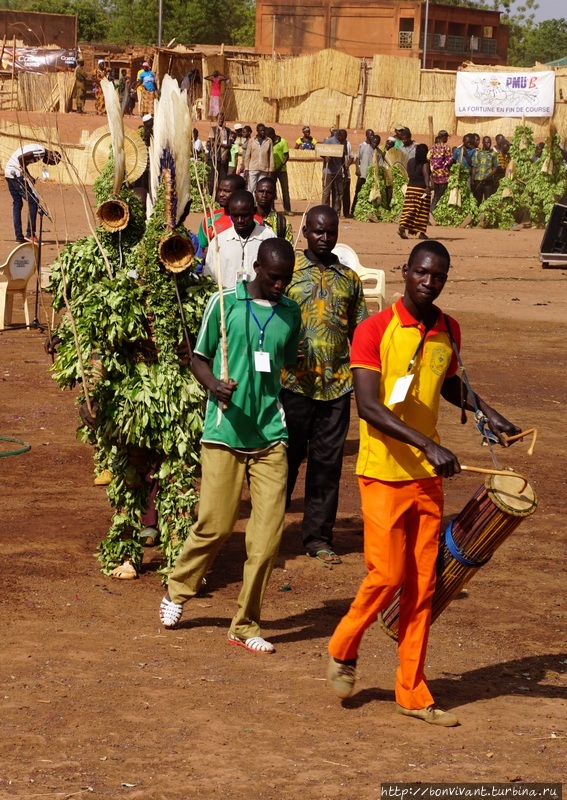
x=240, y=275
x=400, y=390
x=262, y=361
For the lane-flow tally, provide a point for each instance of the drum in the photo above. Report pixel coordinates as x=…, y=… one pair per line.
x=471, y=539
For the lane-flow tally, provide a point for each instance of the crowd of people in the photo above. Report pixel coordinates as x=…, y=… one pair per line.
x=294, y=331
x=138, y=94
x=300, y=343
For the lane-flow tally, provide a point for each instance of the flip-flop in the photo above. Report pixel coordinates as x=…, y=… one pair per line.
x=328, y=557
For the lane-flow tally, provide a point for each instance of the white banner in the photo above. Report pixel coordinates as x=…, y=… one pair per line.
x=505, y=94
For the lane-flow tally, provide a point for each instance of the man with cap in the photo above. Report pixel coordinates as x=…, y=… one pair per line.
x=441, y=159
x=19, y=182
x=80, y=90
x=305, y=141
x=398, y=131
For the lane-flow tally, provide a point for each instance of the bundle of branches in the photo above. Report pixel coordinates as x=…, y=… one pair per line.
x=530, y=188
x=510, y=203
x=521, y=154
x=199, y=178
x=374, y=184
x=457, y=205
x=372, y=203
x=547, y=183
x=501, y=209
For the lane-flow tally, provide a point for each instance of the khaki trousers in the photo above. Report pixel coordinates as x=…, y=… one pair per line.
x=221, y=488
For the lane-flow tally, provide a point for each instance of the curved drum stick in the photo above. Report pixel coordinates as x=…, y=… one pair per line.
x=507, y=473
x=510, y=439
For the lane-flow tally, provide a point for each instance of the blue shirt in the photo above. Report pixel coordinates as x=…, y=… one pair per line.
x=148, y=80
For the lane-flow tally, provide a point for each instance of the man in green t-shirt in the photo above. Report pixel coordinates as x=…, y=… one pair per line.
x=280, y=150
x=244, y=435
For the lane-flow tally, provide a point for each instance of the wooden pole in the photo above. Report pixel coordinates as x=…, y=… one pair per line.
x=362, y=106
x=13, y=74
x=431, y=131
x=273, y=37
x=2, y=51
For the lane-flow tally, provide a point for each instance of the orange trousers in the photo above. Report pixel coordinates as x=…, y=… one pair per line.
x=401, y=542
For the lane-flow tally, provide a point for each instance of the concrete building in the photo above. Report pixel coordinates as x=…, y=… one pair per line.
x=392, y=27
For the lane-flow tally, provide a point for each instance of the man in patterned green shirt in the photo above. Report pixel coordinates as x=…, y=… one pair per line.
x=484, y=168
x=316, y=393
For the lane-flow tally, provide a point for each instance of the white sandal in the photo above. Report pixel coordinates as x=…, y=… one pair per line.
x=254, y=645
x=169, y=613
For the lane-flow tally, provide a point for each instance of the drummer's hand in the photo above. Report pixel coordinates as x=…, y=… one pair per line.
x=50, y=344
x=445, y=462
x=89, y=419
x=501, y=427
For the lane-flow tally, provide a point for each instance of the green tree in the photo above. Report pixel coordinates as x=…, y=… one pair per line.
x=189, y=21
x=545, y=42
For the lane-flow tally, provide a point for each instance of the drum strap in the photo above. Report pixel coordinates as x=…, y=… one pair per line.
x=481, y=421
x=458, y=555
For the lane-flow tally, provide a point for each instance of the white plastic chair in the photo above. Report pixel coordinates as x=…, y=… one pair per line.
x=14, y=277
x=373, y=280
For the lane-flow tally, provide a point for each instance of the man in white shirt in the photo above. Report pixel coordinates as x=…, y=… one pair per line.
x=237, y=247
x=16, y=174
x=363, y=161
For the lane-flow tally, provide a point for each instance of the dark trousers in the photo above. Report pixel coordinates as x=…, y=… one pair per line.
x=284, y=186
x=346, y=197
x=359, y=184
x=18, y=197
x=317, y=429
x=333, y=190
x=482, y=190
x=439, y=190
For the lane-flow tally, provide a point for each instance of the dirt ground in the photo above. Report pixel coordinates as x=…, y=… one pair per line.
x=96, y=699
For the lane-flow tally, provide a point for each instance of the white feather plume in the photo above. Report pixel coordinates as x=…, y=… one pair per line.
x=116, y=127
x=172, y=143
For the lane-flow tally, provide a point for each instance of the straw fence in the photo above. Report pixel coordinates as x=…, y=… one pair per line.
x=330, y=87
x=323, y=89
x=49, y=92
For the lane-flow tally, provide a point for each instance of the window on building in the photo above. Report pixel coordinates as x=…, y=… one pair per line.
x=405, y=34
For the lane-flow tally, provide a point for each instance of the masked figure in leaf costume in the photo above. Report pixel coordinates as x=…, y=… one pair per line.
x=135, y=322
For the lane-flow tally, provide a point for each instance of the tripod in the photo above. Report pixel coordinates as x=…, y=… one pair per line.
x=30, y=191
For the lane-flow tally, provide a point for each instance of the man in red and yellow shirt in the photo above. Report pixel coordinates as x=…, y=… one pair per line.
x=402, y=362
